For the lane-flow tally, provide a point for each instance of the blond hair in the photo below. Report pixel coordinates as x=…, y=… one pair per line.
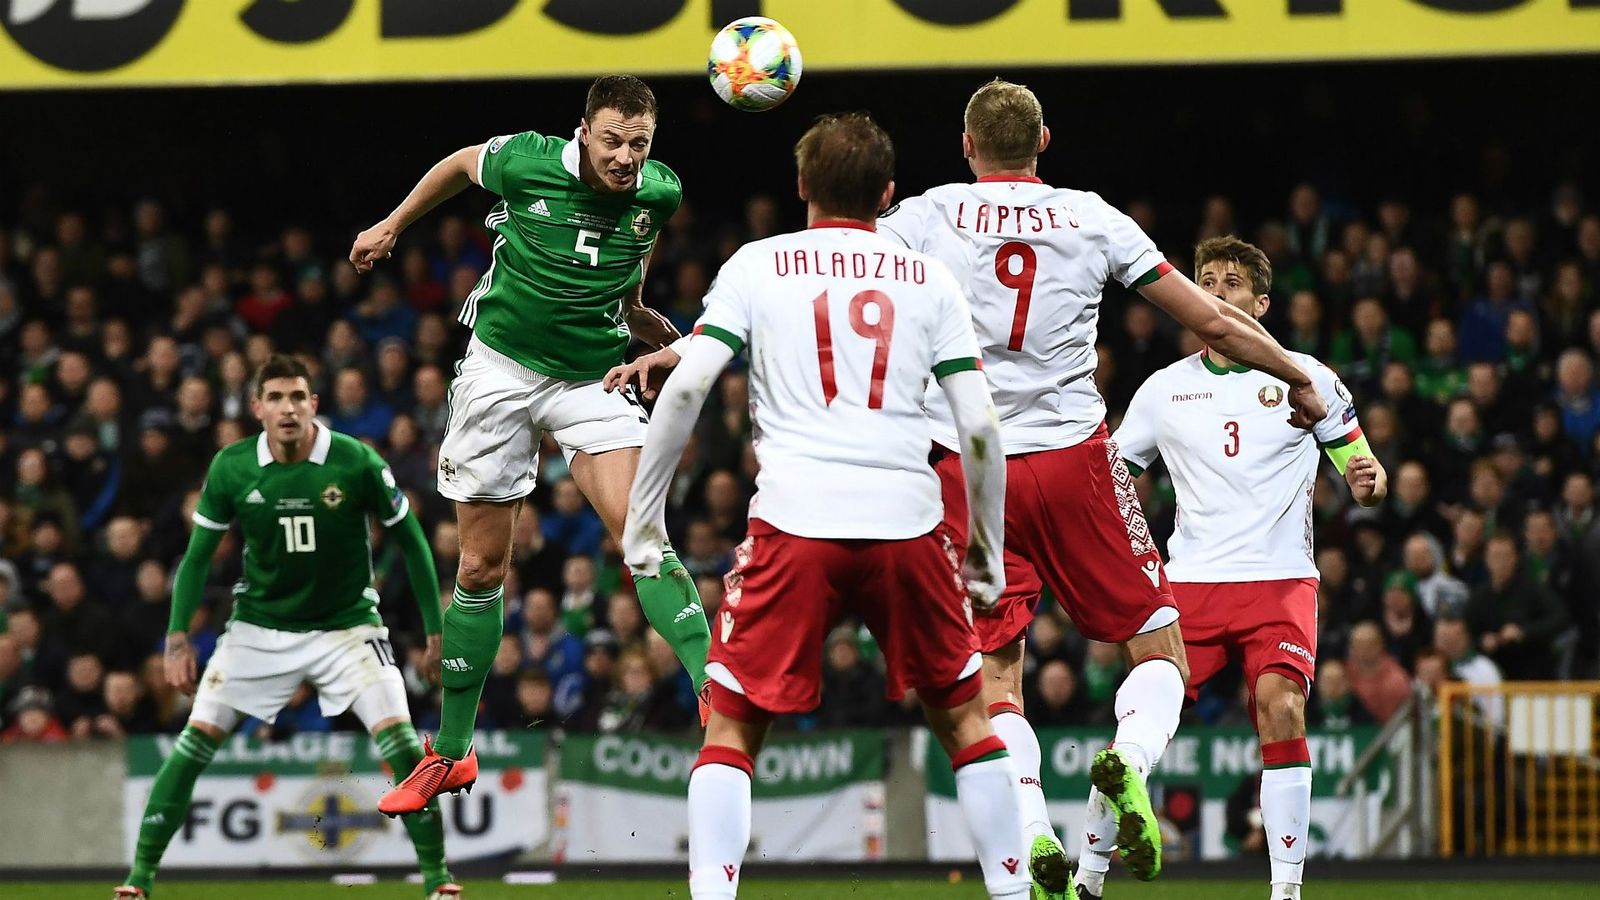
x=1005, y=123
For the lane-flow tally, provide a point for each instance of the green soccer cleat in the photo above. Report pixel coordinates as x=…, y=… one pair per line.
x=1048, y=867
x=1138, y=832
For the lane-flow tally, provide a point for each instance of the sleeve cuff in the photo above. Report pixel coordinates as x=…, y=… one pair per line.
x=722, y=334
x=212, y=524
x=1151, y=276
x=400, y=514
x=951, y=366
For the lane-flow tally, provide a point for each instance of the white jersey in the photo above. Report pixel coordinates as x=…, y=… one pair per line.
x=1033, y=260
x=1244, y=476
x=844, y=329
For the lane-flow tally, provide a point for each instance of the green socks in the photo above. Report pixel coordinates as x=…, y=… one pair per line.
x=673, y=607
x=472, y=628
x=168, y=806
x=402, y=751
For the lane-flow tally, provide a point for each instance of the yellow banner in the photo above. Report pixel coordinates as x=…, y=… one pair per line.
x=90, y=43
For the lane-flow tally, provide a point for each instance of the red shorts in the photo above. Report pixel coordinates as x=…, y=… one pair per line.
x=1073, y=521
x=785, y=592
x=1264, y=625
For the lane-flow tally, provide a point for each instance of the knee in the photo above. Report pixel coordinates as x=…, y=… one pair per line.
x=480, y=571
x=1280, y=711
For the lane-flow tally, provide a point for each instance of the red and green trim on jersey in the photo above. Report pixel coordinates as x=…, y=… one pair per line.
x=943, y=370
x=722, y=334
x=1154, y=275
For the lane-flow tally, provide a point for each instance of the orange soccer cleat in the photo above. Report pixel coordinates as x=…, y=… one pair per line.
x=128, y=892
x=433, y=776
x=705, y=703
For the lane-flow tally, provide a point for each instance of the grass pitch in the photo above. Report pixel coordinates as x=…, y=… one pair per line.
x=758, y=888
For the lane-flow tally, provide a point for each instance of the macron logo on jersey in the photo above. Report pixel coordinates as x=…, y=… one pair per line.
x=1297, y=650
x=539, y=208
x=1185, y=398
x=255, y=497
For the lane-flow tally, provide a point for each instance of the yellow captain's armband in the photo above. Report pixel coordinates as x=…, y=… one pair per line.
x=1341, y=449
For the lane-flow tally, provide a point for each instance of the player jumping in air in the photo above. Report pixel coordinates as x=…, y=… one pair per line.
x=305, y=610
x=1241, y=558
x=844, y=329
x=552, y=314
x=1033, y=260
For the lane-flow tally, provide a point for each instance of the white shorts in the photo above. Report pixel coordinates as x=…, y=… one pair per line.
x=499, y=410
x=256, y=670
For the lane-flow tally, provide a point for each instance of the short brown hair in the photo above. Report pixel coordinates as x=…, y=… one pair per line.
x=1243, y=254
x=847, y=162
x=1005, y=122
x=280, y=365
x=623, y=93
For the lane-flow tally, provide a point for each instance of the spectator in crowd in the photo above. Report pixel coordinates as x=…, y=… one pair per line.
x=572, y=524
x=534, y=700
x=1371, y=343
x=83, y=700
x=1483, y=326
x=91, y=476
x=547, y=645
x=1452, y=640
x=32, y=721
x=1577, y=397
x=1435, y=588
x=1514, y=619
x=1056, y=699
x=852, y=688
x=1376, y=677
x=498, y=707
x=354, y=411
x=1334, y=705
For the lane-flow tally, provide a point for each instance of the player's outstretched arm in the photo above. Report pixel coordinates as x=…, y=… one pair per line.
x=448, y=177
x=187, y=587
x=424, y=579
x=1238, y=337
x=983, y=464
x=645, y=531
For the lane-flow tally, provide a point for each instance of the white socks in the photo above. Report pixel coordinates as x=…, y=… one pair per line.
x=1148, y=705
x=1099, y=838
x=719, y=822
x=1286, y=810
x=986, y=790
x=1023, y=745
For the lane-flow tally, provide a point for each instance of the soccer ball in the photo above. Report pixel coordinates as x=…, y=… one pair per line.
x=754, y=64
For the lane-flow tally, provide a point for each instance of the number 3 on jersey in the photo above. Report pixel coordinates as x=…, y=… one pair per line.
x=1232, y=448
x=1020, y=281
x=880, y=332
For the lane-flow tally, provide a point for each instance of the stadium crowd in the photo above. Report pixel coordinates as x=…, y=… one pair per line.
x=1467, y=335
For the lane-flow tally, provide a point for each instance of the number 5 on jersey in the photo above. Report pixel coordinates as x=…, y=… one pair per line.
x=880, y=332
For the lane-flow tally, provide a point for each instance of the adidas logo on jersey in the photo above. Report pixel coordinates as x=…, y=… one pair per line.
x=688, y=612
x=255, y=497
x=457, y=664
x=539, y=208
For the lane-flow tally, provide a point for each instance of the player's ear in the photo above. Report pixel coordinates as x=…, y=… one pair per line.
x=1044, y=137
x=800, y=188
x=315, y=399
x=887, y=198
x=1262, y=303
x=966, y=146
x=583, y=131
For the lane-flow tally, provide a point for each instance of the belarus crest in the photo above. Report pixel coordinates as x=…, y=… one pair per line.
x=1270, y=396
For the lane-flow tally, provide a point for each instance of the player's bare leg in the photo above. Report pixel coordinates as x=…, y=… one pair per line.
x=670, y=601
x=1148, y=705
x=473, y=624
x=1280, y=714
x=719, y=803
x=1002, y=697
x=985, y=788
x=168, y=805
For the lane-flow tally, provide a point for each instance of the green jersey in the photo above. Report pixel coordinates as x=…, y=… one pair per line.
x=307, y=536
x=565, y=256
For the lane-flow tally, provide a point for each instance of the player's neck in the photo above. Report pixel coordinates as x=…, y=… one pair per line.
x=288, y=452
x=817, y=216
x=1220, y=364
x=987, y=171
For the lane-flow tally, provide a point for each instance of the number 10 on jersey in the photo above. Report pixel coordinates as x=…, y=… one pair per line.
x=299, y=533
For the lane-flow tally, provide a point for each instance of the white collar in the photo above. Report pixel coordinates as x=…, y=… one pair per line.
x=319, y=446
x=569, y=158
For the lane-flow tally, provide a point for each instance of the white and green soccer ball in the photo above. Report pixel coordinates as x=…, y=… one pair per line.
x=754, y=64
